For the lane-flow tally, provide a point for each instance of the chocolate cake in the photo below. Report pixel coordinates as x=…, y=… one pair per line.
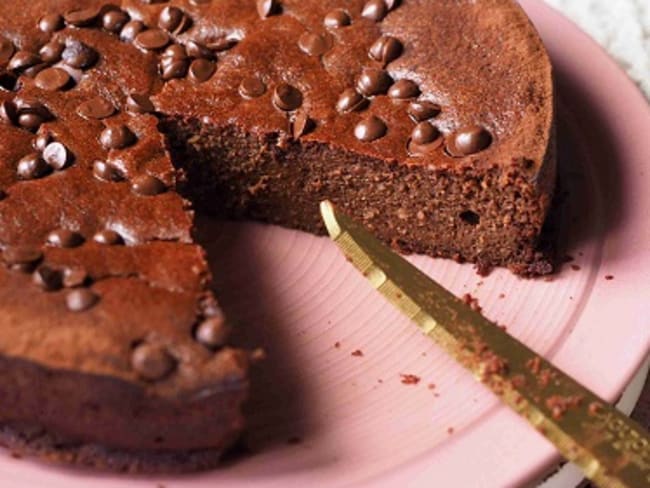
x=431, y=122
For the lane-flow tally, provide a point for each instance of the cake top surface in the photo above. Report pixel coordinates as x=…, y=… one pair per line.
x=100, y=271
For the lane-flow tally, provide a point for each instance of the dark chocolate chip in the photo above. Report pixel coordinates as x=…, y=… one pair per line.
x=78, y=55
x=80, y=299
x=32, y=71
x=17, y=255
x=115, y=20
x=51, y=52
x=82, y=17
x=350, y=101
x=468, y=140
x=220, y=44
x=147, y=185
x=370, y=129
x=287, y=97
x=175, y=51
x=74, y=276
x=31, y=167
x=64, y=238
x=173, y=19
x=196, y=50
x=173, y=68
x=201, y=70
x=424, y=133
x=28, y=105
x=30, y=121
x=403, y=89
x=266, y=8
x=51, y=23
x=374, y=82
x=41, y=141
x=301, y=125
x=108, y=237
x=375, y=10
x=106, y=172
x=313, y=44
x=7, y=50
x=22, y=60
x=49, y=279
x=52, y=79
x=131, y=29
x=96, y=108
x=8, y=111
x=56, y=155
x=152, y=362
x=152, y=39
x=424, y=110
x=385, y=49
x=212, y=332
x=139, y=103
x=117, y=137
x=337, y=18
x=252, y=87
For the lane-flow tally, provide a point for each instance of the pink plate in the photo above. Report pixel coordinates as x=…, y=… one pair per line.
x=322, y=416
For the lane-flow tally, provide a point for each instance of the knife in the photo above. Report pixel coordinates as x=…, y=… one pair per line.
x=612, y=450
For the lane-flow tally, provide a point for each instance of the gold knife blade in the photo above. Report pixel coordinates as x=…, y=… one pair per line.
x=612, y=450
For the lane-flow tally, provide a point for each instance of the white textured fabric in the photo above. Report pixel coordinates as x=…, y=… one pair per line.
x=622, y=27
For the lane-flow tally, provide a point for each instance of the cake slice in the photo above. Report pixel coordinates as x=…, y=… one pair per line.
x=429, y=122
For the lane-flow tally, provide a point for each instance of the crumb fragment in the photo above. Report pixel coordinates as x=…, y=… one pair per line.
x=358, y=353
x=337, y=345
x=431, y=386
x=410, y=379
x=575, y=267
x=558, y=405
x=534, y=365
x=609, y=277
x=502, y=296
x=450, y=430
x=594, y=408
x=472, y=302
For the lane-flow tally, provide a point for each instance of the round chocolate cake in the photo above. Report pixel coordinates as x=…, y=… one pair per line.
x=430, y=122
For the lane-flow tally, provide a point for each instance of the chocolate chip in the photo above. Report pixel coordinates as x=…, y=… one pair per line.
x=252, y=87
x=51, y=23
x=22, y=60
x=201, y=70
x=212, y=332
x=74, y=276
x=28, y=105
x=196, y=50
x=424, y=133
x=287, y=97
x=51, y=52
x=78, y=55
x=375, y=10
x=220, y=44
x=8, y=111
x=56, y=155
x=64, y=238
x=468, y=140
x=108, y=237
x=82, y=17
x=139, y=103
x=106, y=172
x=32, y=71
x=173, y=68
x=337, y=18
x=7, y=80
x=117, y=137
x=391, y=4
x=52, y=79
x=49, y=279
x=403, y=89
x=385, y=49
x=152, y=39
x=152, y=362
x=115, y=20
x=30, y=121
x=301, y=125
x=266, y=8
x=80, y=299
x=41, y=141
x=96, y=108
x=374, y=82
x=175, y=51
x=131, y=29
x=172, y=19
x=370, y=128
x=350, y=101
x=17, y=255
x=313, y=44
x=424, y=110
x=147, y=185
x=31, y=167
x=7, y=50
